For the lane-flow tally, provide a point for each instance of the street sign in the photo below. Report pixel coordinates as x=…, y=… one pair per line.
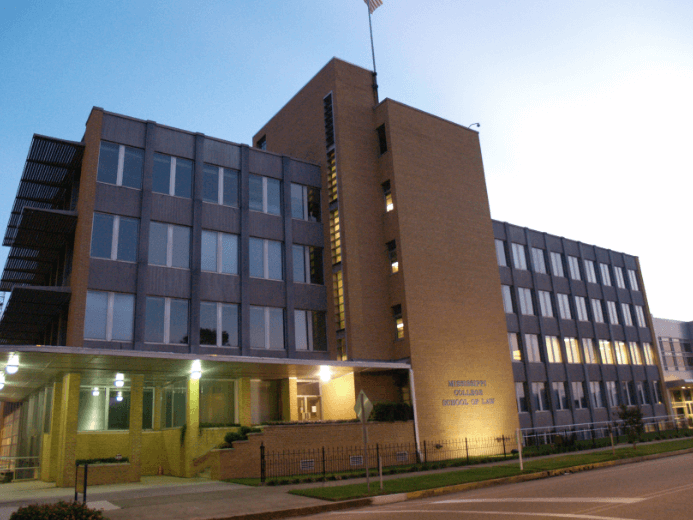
x=363, y=403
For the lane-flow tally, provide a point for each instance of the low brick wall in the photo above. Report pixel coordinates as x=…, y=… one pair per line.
x=118, y=473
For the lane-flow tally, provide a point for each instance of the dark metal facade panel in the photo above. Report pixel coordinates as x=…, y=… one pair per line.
x=601, y=330
x=587, y=252
x=530, y=324
x=175, y=142
x=216, y=287
x=609, y=372
x=519, y=372
x=535, y=239
x=209, y=350
x=600, y=414
x=602, y=255
x=221, y=218
x=550, y=326
x=515, y=234
x=108, y=345
x=631, y=262
x=512, y=323
x=585, y=329
x=173, y=348
x=594, y=290
x=639, y=373
x=170, y=282
x=609, y=293
x=624, y=372
x=581, y=416
x=631, y=333
x=555, y=372
x=110, y=275
x=44, y=229
x=118, y=200
x=523, y=278
x=563, y=417
x=498, y=229
x=561, y=285
x=310, y=297
x=506, y=275
x=593, y=372
x=266, y=164
x=304, y=173
x=578, y=288
x=542, y=282
x=568, y=328
x=29, y=310
x=223, y=154
x=262, y=225
x=307, y=233
x=266, y=293
x=311, y=354
x=123, y=130
x=553, y=243
x=571, y=248
x=536, y=372
x=575, y=372
x=542, y=419
x=174, y=210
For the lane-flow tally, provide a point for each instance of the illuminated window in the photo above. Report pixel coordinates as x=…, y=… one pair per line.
x=387, y=194
x=572, y=350
x=109, y=410
x=525, y=297
x=120, y=165
x=532, y=348
x=335, y=237
x=606, y=277
x=172, y=176
x=620, y=282
x=579, y=399
x=305, y=203
x=621, y=353
x=220, y=186
x=627, y=316
x=590, y=275
x=607, y=353
x=553, y=350
x=114, y=237
x=519, y=258
x=399, y=321
x=392, y=255
x=581, y=309
x=560, y=400
x=264, y=194
x=538, y=260
x=635, y=355
x=564, y=306
x=613, y=314
x=331, y=176
x=338, y=291
x=557, y=264
x=574, y=267
x=545, y=304
x=649, y=354
x=633, y=279
x=590, y=354
x=500, y=253
x=597, y=311
x=596, y=393
x=515, y=352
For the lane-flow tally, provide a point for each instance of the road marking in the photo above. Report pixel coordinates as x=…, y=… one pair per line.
x=507, y=513
x=559, y=500
x=103, y=505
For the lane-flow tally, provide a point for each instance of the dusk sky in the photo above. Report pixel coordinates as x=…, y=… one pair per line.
x=586, y=107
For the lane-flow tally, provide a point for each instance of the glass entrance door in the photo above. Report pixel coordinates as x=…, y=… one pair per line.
x=308, y=401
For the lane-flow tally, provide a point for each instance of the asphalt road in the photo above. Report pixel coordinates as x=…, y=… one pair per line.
x=658, y=489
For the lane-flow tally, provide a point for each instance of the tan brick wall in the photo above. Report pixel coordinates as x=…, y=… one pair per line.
x=99, y=445
x=99, y=474
x=338, y=398
x=69, y=406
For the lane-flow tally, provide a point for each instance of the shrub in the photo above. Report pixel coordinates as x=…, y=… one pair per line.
x=108, y=460
x=59, y=511
x=391, y=412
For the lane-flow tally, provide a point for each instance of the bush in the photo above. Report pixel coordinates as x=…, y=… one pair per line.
x=391, y=412
x=108, y=460
x=59, y=511
x=241, y=435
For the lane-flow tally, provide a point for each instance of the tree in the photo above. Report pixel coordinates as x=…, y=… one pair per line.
x=632, y=422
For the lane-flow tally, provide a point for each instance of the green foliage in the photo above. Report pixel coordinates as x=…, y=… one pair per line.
x=183, y=429
x=218, y=425
x=106, y=460
x=390, y=412
x=632, y=422
x=59, y=511
x=241, y=435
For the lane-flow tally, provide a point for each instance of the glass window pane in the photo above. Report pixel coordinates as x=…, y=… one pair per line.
x=179, y=322
x=108, y=163
x=179, y=407
x=132, y=167
x=95, y=316
x=297, y=201
x=154, y=321
x=255, y=192
x=123, y=315
x=319, y=331
x=209, y=251
x=184, y=170
x=257, y=327
x=147, y=409
x=229, y=254
x=301, y=330
x=274, y=197
x=315, y=255
x=208, y=323
x=210, y=184
x=128, y=232
x=217, y=402
x=229, y=325
x=299, y=264
x=118, y=411
x=274, y=258
x=158, y=237
x=102, y=236
x=181, y=247
x=276, y=323
x=230, y=188
x=256, y=258
x=92, y=411
x=161, y=174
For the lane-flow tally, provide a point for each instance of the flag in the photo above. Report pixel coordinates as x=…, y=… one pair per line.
x=373, y=5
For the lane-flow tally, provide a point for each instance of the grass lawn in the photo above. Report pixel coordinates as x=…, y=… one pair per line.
x=477, y=474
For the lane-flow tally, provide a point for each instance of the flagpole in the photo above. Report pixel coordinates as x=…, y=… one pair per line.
x=375, y=73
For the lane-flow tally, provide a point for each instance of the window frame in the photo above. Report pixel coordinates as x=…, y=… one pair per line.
x=539, y=397
x=557, y=264
x=532, y=349
x=519, y=256
x=627, y=315
x=267, y=328
x=265, y=195
x=110, y=312
x=173, y=174
x=559, y=394
x=605, y=274
x=581, y=308
x=597, y=310
x=613, y=312
x=572, y=350
x=526, y=301
x=219, y=310
x=590, y=273
x=618, y=274
x=598, y=395
x=169, y=244
x=219, y=252
x=539, y=260
x=266, y=259
x=640, y=316
x=574, y=267
x=501, y=256
x=120, y=168
x=309, y=319
x=633, y=280
x=506, y=294
x=221, y=184
x=591, y=355
x=515, y=349
x=305, y=203
x=545, y=305
x=115, y=237
x=167, y=319
x=579, y=399
x=564, y=306
x=553, y=349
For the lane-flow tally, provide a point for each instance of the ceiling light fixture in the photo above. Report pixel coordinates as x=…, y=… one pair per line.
x=95, y=392
x=325, y=374
x=119, y=397
x=119, y=380
x=2, y=380
x=196, y=370
x=12, y=364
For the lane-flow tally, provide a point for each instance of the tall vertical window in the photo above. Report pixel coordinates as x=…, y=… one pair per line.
x=382, y=139
x=172, y=176
x=109, y=410
x=621, y=353
x=521, y=397
x=265, y=194
x=338, y=291
x=640, y=391
x=574, y=267
x=166, y=321
x=507, y=299
x=392, y=256
x=532, y=348
x=169, y=245
x=627, y=316
x=581, y=309
x=539, y=398
x=590, y=275
x=305, y=203
x=557, y=264
x=640, y=316
x=218, y=401
x=219, y=324
x=262, y=143
x=310, y=330
x=219, y=252
x=597, y=311
x=564, y=306
x=500, y=253
x=633, y=279
x=604, y=271
x=519, y=257
x=572, y=350
x=220, y=186
x=265, y=259
x=332, y=176
x=620, y=281
x=399, y=321
x=335, y=237
x=613, y=313
x=114, y=237
x=656, y=394
x=515, y=352
x=591, y=355
x=109, y=316
x=387, y=196
x=538, y=260
x=553, y=350
x=560, y=399
x=579, y=399
x=174, y=406
x=649, y=354
x=120, y=165
x=606, y=352
x=596, y=393
x=611, y=393
x=628, y=393
x=635, y=355
x=525, y=297
x=307, y=264
x=545, y=304
x=266, y=328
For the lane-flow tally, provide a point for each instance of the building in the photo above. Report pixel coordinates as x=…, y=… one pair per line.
x=675, y=340
x=166, y=285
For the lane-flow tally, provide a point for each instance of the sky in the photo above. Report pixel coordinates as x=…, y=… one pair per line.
x=585, y=107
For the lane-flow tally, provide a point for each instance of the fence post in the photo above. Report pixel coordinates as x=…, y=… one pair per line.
x=505, y=455
x=262, y=462
x=466, y=447
x=84, y=494
x=377, y=451
x=76, y=481
x=324, y=474
x=425, y=454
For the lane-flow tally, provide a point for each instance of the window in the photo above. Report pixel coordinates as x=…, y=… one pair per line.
x=220, y=186
x=515, y=352
x=519, y=258
x=553, y=350
x=590, y=275
x=611, y=393
x=114, y=237
x=219, y=324
x=591, y=355
x=557, y=264
x=307, y=264
x=596, y=393
x=574, y=267
x=597, y=311
x=147, y=408
x=538, y=260
x=218, y=401
x=640, y=316
x=399, y=322
x=310, y=330
x=581, y=309
x=572, y=350
x=266, y=328
x=392, y=255
x=613, y=314
x=539, y=398
x=120, y=165
x=338, y=299
x=335, y=237
x=579, y=399
x=627, y=316
x=500, y=253
x=265, y=194
x=620, y=281
x=219, y=252
x=109, y=410
x=545, y=304
x=507, y=299
x=265, y=259
x=560, y=400
x=621, y=353
x=656, y=394
x=635, y=355
x=649, y=354
x=633, y=279
x=382, y=139
x=169, y=245
x=387, y=195
x=172, y=176
x=564, y=306
x=305, y=203
x=109, y=316
x=643, y=398
x=604, y=270
x=526, y=306
x=521, y=396
x=628, y=393
x=607, y=353
x=166, y=321
x=532, y=348
x=174, y=406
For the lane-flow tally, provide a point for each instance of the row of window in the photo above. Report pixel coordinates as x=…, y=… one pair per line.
x=525, y=301
x=110, y=316
x=677, y=354
x=591, y=352
x=519, y=257
x=115, y=238
x=601, y=393
x=123, y=165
